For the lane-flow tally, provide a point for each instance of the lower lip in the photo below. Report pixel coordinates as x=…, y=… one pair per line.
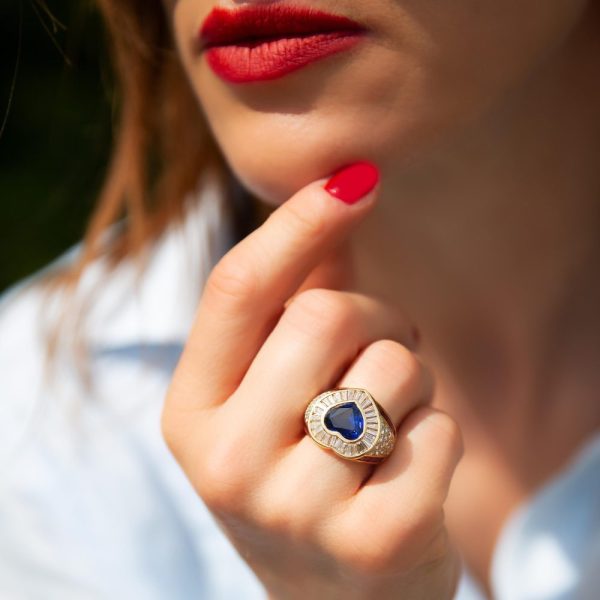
x=273, y=59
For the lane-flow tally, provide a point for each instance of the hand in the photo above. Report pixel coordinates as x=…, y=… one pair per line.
x=309, y=523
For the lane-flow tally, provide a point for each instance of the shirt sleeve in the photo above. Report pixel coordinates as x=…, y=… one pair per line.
x=92, y=504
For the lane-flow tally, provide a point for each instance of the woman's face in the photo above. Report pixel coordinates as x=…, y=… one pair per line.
x=423, y=70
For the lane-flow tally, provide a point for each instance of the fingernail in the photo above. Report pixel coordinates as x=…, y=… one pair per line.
x=354, y=182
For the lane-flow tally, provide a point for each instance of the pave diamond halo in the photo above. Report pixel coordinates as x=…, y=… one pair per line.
x=351, y=423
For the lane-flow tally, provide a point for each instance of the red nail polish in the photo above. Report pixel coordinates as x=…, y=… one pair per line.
x=354, y=182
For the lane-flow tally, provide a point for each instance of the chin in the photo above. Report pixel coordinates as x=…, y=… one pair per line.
x=275, y=163
x=274, y=179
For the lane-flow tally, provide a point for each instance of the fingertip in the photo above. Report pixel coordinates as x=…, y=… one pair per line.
x=354, y=182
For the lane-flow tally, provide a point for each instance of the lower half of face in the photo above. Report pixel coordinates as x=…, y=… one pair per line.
x=421, y=70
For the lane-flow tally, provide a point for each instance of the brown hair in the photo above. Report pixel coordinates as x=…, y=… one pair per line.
x=162, y=147
x=162, y=143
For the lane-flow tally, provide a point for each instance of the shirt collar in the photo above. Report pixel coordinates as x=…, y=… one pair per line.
x=155, y=303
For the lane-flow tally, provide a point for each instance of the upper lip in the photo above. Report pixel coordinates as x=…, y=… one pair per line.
x=256, y=23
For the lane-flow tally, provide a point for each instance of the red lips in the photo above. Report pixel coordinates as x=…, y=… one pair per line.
x=256, y=43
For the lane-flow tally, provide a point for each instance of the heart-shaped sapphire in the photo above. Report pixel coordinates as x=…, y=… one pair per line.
x=346, y=419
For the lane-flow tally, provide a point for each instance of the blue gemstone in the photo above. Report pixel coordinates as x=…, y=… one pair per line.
x=346, y=419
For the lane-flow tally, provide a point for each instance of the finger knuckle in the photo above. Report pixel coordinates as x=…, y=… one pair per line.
x=427, y=538
x=397, y=360
x=408, y=539
x=302, y=223
x=396, y=545
x=371, y=557
x=231, y=280
x=426, y=520
x=281, y=506
x=274, y=516
x=222, y=479
x=439, y=548
x=320, y=313
x=447, y=429
x=285, y=515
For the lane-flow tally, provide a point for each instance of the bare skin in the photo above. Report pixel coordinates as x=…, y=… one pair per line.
x=311, y=525
x=495, y=259
x=485, y=234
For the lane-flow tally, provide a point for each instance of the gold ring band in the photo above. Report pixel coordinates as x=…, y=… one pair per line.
x=352, y=423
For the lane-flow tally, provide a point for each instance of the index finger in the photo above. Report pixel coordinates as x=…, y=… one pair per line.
x=245, y=293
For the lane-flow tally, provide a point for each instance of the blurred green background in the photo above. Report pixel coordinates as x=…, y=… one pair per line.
x=55, y=145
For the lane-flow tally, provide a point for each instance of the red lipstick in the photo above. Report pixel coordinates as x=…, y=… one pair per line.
x=262, y=42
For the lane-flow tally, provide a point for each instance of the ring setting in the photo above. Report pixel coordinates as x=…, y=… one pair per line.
x=351, y=423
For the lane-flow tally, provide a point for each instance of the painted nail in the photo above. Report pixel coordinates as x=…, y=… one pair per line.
x=353, y=182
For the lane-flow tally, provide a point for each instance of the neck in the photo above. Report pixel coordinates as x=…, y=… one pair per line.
x=491, y=246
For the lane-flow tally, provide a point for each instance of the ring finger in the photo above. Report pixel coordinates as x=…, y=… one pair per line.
x=317, y=478
x=319, y=334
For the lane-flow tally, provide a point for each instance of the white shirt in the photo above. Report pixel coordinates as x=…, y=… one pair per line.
x=92, y=505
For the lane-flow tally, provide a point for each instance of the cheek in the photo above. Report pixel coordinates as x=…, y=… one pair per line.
x=432, y=68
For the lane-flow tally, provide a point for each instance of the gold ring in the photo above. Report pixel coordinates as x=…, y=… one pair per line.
x=352, y=423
